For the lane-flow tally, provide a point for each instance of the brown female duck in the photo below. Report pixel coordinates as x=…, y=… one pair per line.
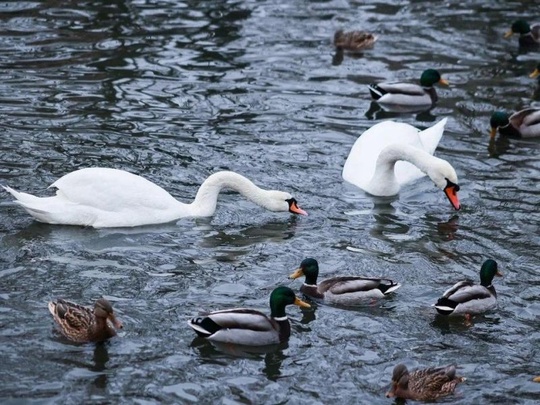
x=83, y=324
x=353, y=41
x=423, y=385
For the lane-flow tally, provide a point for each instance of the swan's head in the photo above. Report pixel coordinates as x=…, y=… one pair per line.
x=444, y=176
x=281, y=201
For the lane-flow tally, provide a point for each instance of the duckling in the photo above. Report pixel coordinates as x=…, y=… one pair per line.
x=406, y=94
x=522, y=124
x=423, y=385
x=83, y=324
x=466, y=298
x=528, y=35
x=248, y=327
x=353, y=41
x=349, y=290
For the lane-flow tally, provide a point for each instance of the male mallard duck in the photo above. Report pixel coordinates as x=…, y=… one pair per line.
x=341, y=290
x=353, y=41
x=407, y=94
x=248, y=327
x=423, y=385
x=522, y=124
x=528, y=36
x=466, y=298
x=83, y=324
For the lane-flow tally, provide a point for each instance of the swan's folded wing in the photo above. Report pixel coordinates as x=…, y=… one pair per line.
x=107, y=189
x=242, y=318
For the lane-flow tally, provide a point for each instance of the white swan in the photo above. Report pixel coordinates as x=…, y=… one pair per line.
x=391, y=154
x=106, y=198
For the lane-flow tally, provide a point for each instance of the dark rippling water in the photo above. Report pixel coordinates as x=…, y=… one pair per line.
x=177, y=90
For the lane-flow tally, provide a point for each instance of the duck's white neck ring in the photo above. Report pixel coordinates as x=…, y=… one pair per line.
x=281, y=318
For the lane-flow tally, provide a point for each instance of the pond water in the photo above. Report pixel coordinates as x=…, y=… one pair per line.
x=176, y=90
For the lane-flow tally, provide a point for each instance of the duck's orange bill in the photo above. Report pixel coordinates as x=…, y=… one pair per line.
x=444, y=81
x=535, y=74
x=297, y=273
x=300, y=303
x=536, y=379
x=493, y=132
x=508, y=34
x=451, y=193
x=498, y=274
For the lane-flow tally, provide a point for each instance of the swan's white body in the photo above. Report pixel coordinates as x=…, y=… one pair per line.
x=103, y=198
x=391, y=154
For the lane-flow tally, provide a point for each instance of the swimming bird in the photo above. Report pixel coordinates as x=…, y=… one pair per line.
x=344, y=290
x=243, y=326
x=528, y=35
x=522, y=124
x=407, y=94
x=105, y=198
x=83, y=324
x=391, y=154
x=426, y=384
x=353, y=41
x=467, y=298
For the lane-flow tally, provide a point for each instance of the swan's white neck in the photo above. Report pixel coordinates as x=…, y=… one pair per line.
x=384, y=181
x=206, y=199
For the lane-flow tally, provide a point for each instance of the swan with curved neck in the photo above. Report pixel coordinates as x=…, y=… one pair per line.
x=104, y=198
x=390, y=155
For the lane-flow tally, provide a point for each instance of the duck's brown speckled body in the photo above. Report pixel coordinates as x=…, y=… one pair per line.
x=83, y=324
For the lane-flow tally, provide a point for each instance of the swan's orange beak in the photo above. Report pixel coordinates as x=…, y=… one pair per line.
x=294, y=208
x=535, y=74
x=451, y=192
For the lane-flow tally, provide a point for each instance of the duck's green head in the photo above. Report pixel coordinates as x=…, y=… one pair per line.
x=498, y=119
x=536, y=72
x=430, y=77
x=518, y=27
x=280, y=298
x=308, y=268
x=489, y=270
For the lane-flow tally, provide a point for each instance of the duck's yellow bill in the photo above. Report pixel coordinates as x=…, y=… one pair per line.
x=300, y=303
x=508, y=34
x=535, y=74
x=297, y=273
x=444, y=81
x=493, y=132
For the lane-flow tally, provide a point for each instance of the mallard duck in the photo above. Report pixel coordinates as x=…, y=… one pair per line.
x=467, y=298
x=106, y=198
x=407, y=94
x=390, y=155
x=353, y=41
x=423, y=385
x=249, y=327
x=522, y=124
x=83, y=324
x=528, y=35
x=341, y=290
